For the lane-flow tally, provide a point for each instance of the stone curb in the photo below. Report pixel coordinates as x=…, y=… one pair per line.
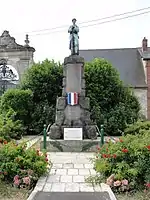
x=32, y=195
x=107, y=188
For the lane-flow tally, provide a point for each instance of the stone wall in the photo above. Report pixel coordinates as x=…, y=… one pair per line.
x=142, y=96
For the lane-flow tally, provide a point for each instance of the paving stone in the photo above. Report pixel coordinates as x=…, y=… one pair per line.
x=47, y=187
x=52, y=171
x=53, y=178
x=73, y=171
x=42, y=179
x=92, y=172
x=84, y=172
x=61, y=172
x=78, y=179
x=82, y=160
x=63, y=160
x=57, y=166
x=67, y=166
x=65, y=154
x=97, y=188
x=58, y=187
x=39, y=187
x=86, y=188
x=66, y=179
x=78, y=166
x=72, y=187
x=88, y=166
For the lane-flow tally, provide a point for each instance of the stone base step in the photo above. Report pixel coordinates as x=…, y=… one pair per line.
x=72, y=196
x=71, y=145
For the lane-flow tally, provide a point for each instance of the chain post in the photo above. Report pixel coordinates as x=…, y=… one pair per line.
x=45, y=135
x=102, y=135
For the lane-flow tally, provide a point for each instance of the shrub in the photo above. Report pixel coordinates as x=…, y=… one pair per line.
x=21, y=166
x=126, y=162
x=20, y=101
x=10, y=129
x=137, y=127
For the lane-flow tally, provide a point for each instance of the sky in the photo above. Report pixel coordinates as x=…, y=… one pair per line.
x=26, y=16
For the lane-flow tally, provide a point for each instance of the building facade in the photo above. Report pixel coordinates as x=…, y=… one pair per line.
x=18, y=57
x=133, y=65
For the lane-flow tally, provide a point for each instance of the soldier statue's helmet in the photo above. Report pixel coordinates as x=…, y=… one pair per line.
x=74, y=19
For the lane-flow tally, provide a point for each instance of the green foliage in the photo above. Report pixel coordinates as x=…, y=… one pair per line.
x=21, y=101
x=137, y=127
x=128, y=159
x=45, y=81
x=10, y=129
x=21, y=166
x=42, y=115
x=112, y=104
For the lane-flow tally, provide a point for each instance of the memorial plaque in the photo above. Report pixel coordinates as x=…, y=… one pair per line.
x=73, y=134
x=72, y=196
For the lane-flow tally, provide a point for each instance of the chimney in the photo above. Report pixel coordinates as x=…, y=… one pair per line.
x=144, y=44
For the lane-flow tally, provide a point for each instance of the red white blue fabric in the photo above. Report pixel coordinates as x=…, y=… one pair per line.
x=72, y=98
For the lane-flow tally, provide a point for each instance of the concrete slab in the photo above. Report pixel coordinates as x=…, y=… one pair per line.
x=72, y=196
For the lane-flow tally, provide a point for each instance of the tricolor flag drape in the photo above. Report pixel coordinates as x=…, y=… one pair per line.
x=72, y=98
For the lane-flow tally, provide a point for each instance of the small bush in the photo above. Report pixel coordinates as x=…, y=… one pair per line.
x=20, y=166
x=10, y=129
x=137, y=127
x=126, y=162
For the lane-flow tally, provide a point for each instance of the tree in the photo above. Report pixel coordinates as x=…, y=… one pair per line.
x=112, y=104
x=45, y=81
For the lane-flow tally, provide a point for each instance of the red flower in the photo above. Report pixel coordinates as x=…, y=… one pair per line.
x=46, y=159
x=120, y=140
x=148, y=147
x=104, y=155
x=114, y=156
x=125, y=150
x=147, y=185
x=5, y=142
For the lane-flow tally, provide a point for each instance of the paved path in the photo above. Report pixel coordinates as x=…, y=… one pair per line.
x=68, y=174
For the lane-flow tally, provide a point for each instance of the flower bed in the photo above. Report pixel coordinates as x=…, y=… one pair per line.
x=21, y=167
x=125, y=164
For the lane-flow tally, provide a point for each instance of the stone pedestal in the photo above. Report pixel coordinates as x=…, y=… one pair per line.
x=77, y=116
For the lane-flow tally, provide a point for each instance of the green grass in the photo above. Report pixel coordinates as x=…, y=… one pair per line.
x=7, y=192
x=136, y=196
